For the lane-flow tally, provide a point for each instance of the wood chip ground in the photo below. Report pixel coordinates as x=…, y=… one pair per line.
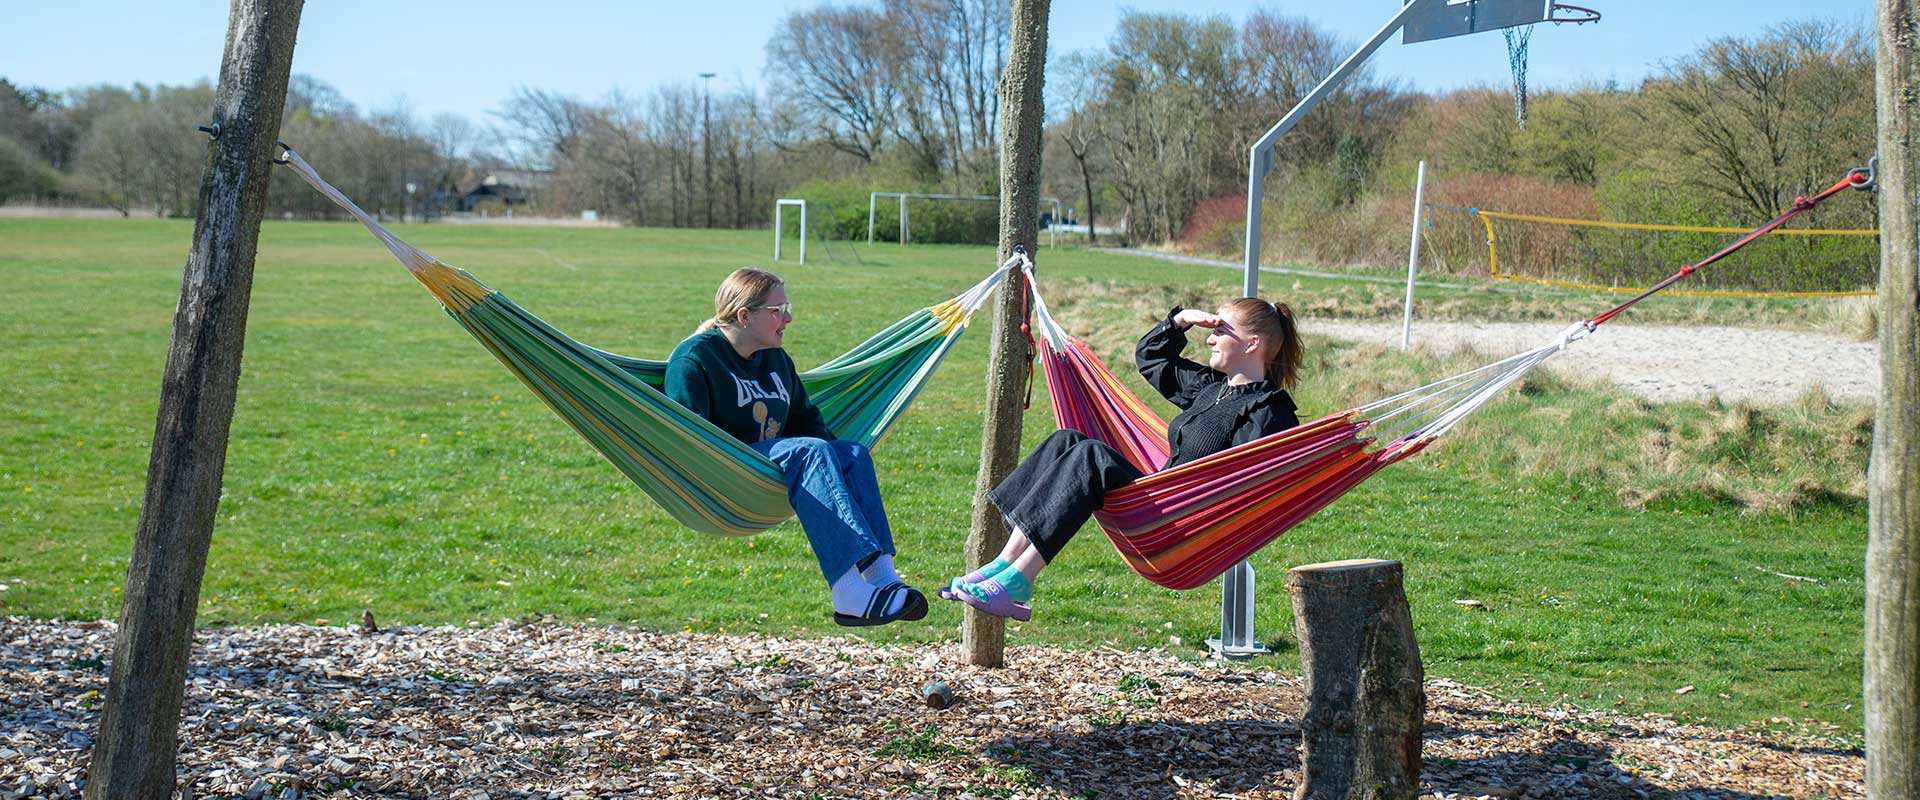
x=549, y=711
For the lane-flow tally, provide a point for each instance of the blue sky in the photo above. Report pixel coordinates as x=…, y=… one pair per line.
x=464, y=57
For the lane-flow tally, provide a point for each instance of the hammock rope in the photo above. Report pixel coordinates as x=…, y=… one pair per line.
x=1182, y=527
x=699, y=474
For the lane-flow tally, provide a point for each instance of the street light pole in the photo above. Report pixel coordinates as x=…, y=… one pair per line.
x=706, y=138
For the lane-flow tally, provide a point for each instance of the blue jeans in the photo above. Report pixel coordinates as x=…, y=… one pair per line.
x=837, y=498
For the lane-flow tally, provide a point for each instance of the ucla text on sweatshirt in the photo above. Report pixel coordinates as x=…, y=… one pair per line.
x=754, y=398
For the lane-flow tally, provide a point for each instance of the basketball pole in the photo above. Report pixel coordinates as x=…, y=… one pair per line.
x=1413, y=254
x=1236, y=586
x=1432, y=19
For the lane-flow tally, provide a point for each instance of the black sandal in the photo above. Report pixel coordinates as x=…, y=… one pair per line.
x=916, y=607
x=876, y=609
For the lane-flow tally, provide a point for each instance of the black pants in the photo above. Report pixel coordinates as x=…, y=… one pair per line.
x=1057, y=487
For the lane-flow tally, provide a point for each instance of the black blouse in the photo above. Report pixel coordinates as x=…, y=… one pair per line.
x=1214, y=415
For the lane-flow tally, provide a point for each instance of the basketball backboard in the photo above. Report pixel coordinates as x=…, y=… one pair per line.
x=1441, y=19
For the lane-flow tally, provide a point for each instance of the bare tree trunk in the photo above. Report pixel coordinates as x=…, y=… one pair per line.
x=1361, y=729
x=1892, y=672
x=1086, y=179
x=982, y=636
x=134, y=754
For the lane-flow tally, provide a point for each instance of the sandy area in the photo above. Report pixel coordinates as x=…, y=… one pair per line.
x=1661, y=362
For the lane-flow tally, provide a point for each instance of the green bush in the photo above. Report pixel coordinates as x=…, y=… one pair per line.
x=22, y=175
x=838, y=209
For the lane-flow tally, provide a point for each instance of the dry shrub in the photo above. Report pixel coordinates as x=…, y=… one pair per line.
x=1856, y=318
x=1763, y=460
x=1656, y=450
x=1458, y=241
x=1739, y=420
x=1216, y=226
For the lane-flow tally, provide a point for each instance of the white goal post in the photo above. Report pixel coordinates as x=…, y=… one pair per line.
x=906, y=227
x=780, y=206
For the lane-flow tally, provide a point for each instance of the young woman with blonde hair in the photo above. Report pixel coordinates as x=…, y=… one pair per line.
x=734, y=372
x=1238, y=396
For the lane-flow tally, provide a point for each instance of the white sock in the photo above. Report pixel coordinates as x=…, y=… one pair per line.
x=851, y=594
x=880, y=572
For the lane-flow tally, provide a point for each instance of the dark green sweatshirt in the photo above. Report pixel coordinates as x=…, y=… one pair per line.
x=755, y=398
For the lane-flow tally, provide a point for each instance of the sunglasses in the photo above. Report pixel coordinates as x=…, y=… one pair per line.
x=784, y=308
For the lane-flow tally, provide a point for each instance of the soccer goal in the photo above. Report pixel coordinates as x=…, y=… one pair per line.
x=780, y=227
x=906, y=224
x=818, y=226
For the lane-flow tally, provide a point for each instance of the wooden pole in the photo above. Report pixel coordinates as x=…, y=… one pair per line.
x=1011, y=361
x=1361, y=729
x=133, y=758
x=1892, y=669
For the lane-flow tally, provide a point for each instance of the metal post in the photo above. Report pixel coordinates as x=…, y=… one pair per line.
x=1236, y=615
x=706, y=140
x=871, y=196
x=779, y=207
x=903, y=220
x=1236, y=589
x=1413, y=254
x=1260, y=156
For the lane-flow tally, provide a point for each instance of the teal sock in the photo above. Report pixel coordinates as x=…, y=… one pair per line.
x=1013, y=580
x=986, y=571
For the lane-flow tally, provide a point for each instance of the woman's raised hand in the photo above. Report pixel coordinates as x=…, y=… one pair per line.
x=1190, y=317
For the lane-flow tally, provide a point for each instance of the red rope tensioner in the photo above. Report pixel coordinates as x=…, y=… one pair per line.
x=1857, y=178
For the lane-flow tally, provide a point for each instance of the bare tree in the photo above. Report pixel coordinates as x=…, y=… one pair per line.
x=1011, y=359
x=1575, y=135
x=955, y=51
x=741, y=141
x=673, y=114
x=1169, y=82
x=838, y=60
x=1762, y=120
x=448, y=137
x=545, y=125
x=110, y=161
x=316, y=98
x=133, y=758
x=1076, y=100
x=616, y=159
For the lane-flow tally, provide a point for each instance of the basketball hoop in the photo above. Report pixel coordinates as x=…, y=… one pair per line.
x=1574, y=14
x=1517, y=50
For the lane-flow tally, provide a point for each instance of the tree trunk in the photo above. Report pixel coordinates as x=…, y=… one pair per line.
x=1892, y=670
x=983, y=636
x=134, y=753
x=1086, y=179
x=1364, y=697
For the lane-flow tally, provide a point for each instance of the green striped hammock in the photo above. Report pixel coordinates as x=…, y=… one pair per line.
x=705, y=478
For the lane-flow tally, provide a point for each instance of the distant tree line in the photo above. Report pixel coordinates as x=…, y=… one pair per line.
x=1147, y=134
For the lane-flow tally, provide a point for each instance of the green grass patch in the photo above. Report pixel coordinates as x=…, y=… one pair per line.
x=379, y=458
x=922, y=746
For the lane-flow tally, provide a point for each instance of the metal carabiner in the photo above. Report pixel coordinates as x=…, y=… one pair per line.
x=284, y=150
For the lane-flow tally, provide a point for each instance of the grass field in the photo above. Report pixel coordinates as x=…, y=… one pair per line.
x=381, y=459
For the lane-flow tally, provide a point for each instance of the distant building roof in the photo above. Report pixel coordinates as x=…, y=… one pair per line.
x=510, y=186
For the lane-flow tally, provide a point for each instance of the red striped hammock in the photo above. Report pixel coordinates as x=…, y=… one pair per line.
x=1185, y=526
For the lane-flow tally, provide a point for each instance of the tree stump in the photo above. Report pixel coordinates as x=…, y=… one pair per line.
x=1364, y=697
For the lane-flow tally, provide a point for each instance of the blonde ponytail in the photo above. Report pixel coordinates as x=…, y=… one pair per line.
x=745, y=289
